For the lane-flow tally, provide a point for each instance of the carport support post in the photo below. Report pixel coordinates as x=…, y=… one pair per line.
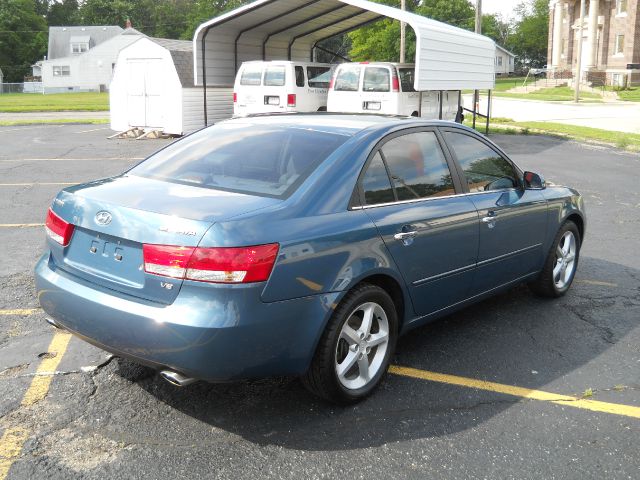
x=420, y=104
x=488, y=112
x=476, y=98
x=204, y=78
x=440, y=114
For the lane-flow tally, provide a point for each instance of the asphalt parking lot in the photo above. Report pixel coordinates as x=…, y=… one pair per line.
x=513, y=387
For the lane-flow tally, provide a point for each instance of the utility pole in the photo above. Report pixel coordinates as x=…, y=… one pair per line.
x=578, y=77
x=403, y=30
x=476, y=93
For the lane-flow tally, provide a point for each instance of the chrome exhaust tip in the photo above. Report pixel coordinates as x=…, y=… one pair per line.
x=177, y=379
x=54, y=324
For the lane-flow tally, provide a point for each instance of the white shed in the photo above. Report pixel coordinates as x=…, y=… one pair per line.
x=447, y=58
x=153, y=89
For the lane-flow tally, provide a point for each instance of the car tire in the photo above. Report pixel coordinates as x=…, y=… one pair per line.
x=347, y=346
x=561, y=263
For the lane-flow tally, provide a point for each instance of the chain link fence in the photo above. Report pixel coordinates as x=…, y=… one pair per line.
x=25, y=87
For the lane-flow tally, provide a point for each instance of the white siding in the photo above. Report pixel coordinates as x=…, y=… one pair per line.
x=219, y=106
x=89, y=70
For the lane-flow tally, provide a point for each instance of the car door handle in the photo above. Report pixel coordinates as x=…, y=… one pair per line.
x=489, y=219
x=405, y=235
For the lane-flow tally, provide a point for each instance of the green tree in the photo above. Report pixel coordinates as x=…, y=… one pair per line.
x=530, y=34
x=23, y=38
x=63, y=13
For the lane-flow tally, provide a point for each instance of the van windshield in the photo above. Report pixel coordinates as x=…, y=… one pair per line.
x=268, y=160
x=348, y=78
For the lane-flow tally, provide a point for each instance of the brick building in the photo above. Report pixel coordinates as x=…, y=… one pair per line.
x=610, y=41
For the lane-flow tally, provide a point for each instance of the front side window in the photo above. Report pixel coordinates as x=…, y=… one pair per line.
x=61, y=71
x=619, y=50
x=484, y=168
x=257, y=159
x=251, y=76
x=274, y=76
x=417, y=166
x=299, y=77
x=348, y=78
x=376, y=79
x=407, y=78
x=319, y=77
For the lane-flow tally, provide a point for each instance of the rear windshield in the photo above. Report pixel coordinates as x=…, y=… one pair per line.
x=319, y=77
x=406, y=79
x=254, y=159
x=251, y=75
x=376, y=79
x=274, y=77
x=348, y=78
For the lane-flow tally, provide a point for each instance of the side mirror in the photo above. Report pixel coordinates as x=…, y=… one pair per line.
x=534, y=181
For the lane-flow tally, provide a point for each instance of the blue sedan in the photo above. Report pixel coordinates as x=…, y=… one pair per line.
x=300, y=245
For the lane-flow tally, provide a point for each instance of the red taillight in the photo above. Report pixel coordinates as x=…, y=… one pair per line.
x=395, y=84
x=57, y=229
x=331, y=83
x=235, y=97
x=217, y=264
x=291, y=100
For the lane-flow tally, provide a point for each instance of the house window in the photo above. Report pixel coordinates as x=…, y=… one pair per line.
x=61, y=71
x=499, y=60
x=77, y=48
x=621, y=7
x=619, y=48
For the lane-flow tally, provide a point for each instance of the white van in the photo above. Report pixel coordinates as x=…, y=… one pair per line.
x=385, y=88
x=281, y=86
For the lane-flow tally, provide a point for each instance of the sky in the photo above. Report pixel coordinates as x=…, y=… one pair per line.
x=504, y=7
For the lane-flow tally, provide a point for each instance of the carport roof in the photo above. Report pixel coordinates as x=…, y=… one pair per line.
x=447, y=57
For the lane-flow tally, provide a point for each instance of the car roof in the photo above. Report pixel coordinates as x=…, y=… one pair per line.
x=338, y=123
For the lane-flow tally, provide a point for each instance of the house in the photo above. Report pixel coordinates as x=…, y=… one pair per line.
x=610, y=41
x=153, y=89
x=505, y=61
x=83, y=58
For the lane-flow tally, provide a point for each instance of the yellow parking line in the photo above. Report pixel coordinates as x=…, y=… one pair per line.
x=20, y=311
x=10, y=447
x=14, y=438
x=36, y=183
x=20, y=225
x=593, y=405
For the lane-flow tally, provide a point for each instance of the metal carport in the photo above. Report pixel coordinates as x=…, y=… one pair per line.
x=447, y=57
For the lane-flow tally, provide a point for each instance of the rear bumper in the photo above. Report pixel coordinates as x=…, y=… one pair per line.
x=210, y=332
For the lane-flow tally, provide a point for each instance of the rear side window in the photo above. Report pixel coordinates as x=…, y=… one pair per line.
x=417, y=166
x=484, y=168
x=376, y=79
x=376, y=184
x=251, y=75
x=407, y=77
x=319, y=77
x=299, y=77
x=270, y=160
x=348, y=78
x=274, y=77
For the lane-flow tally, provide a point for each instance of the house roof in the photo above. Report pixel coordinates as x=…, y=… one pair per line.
x=505, y=50
x=60, y=38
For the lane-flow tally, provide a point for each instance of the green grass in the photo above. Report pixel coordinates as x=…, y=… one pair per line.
x=553, y=94
x=627, y=141
x=503, y=84
x=56, y=102
x=91, y=121
x=630, y=95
